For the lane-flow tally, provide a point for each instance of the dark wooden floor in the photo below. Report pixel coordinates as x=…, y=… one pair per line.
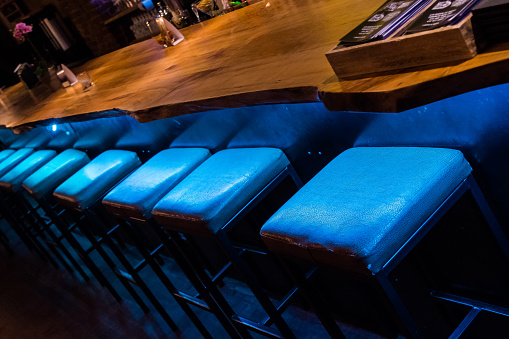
x=40, y=301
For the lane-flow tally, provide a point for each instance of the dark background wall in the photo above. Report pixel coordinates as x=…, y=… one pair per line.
x=83, y=20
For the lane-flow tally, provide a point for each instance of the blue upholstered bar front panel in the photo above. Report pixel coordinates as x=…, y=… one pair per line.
x=364, y=205
x=213, y=193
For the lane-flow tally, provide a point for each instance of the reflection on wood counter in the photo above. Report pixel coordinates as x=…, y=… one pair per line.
x=269, y=52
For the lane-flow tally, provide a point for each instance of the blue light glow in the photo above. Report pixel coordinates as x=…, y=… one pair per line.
x=54, y=128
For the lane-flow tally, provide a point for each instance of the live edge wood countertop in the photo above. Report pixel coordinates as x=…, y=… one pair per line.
x=270, y=52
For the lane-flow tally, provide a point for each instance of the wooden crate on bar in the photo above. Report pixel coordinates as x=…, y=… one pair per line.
x=439, y=46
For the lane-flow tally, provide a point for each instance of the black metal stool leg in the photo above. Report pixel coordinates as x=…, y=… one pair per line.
x=255, y=286
x=46, y=227
x=5, y=243
x=148, y=257
x=130, y=270
x=24, y=232
x=28, y=210
x=497, y=231
x=96, y=245
x=64, y=228
x=191, y=265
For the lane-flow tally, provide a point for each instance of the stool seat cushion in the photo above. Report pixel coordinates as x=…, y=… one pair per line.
x=4, y=154
x=14, y=159
x=209, y=197
x=364, y=205
x=94, y=180
x=137, y=194
x=14, y=178
x=47, y=178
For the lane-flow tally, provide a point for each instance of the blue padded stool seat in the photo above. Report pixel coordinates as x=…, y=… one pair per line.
x=47, y=178
x=95, y=179
x=137, y=194
x=4, y=154
x=13, y=180
x=364, y=205
x=14, y=159
x=209, y=197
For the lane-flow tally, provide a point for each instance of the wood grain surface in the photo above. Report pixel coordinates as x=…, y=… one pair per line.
x=269, y=52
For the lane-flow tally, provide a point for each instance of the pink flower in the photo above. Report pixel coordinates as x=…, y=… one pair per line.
x=23, y=28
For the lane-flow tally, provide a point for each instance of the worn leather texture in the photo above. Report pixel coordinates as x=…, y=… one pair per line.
x=47, y=178
x=13, y=179
x=137, y=194
x=94, y=180
x=4, y=154
x=364, y=205
x=14, y=159
x=211, y=195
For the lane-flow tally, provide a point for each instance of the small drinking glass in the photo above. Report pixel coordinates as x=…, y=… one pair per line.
x=84, y=80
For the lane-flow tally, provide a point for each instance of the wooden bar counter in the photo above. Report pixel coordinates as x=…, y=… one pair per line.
x=270, y=52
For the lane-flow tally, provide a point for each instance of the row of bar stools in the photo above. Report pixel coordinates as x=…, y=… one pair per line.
x=209, y=203
x=9, y=163
x=17, y=207
x=237, y=176
x=41, y=183
x=132, y=202
x=41, y=180
x=368, y=208
x=81, y=195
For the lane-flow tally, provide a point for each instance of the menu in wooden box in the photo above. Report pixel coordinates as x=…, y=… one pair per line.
x=384, y=21
x=440, y=46
x=441, y=13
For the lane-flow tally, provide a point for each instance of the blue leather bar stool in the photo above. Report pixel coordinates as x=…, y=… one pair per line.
x=6, y=165
x=82, y=194
x=35, y=225
x=209, y=203
x=41, y=185
x=15, y=205
x=368, y=208
x=132, y=202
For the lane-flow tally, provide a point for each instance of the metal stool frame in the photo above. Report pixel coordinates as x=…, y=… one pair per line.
x=382, y=277
x=207, y=283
